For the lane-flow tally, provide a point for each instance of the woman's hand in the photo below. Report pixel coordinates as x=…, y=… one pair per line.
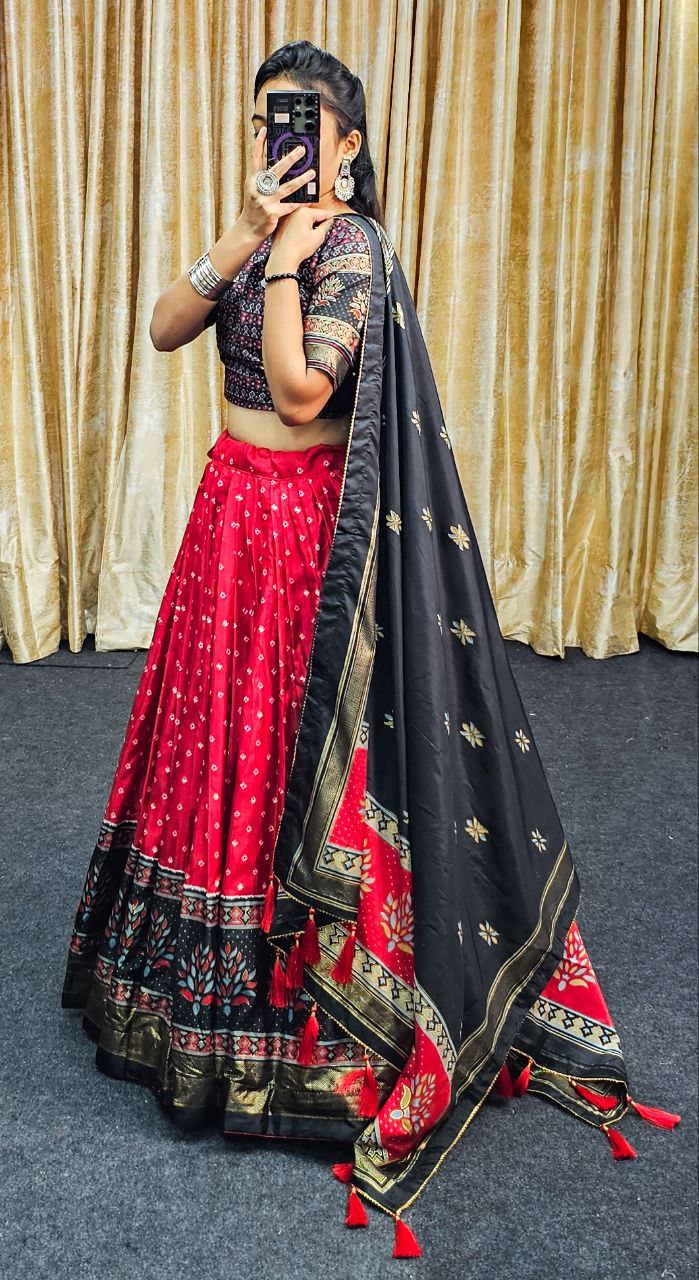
x=260, y=214
x=298, y=237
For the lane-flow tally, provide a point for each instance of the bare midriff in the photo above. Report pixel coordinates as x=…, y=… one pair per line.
x=265, y=427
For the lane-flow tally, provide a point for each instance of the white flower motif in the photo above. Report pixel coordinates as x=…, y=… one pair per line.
x=397, y=922
x=488, y=933
x=393, y=521
x=365, y=878
x=539, y=840
x=476, y=830
x=462, y=631
x=459, y=536
x=575, y=967
x=427, y=517
x=388, y=719
x=522, y=740
x=472, y=734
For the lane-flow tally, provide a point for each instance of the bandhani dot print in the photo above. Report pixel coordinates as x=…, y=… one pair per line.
x=230, y=830
x=167, y=957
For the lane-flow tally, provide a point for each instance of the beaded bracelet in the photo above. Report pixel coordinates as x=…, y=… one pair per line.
x=281, y=275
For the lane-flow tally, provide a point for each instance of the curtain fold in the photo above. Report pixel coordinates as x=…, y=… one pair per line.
x=538, y=166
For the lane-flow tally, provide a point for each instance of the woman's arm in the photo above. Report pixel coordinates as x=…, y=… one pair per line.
x=307, y=356
x=180, y=312
x=298, y=392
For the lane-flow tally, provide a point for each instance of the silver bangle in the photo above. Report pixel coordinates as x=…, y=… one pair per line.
x=206, y=279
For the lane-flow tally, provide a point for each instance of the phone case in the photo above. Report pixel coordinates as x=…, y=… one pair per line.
x=293, y=116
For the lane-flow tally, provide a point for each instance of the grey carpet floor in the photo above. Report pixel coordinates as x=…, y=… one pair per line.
x=97, y=1182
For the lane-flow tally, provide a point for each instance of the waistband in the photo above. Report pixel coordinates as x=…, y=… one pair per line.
x=275, y=462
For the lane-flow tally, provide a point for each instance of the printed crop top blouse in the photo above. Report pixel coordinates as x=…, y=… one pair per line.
x=334, y=285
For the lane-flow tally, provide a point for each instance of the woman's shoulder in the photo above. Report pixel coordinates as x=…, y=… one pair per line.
x=344, y=237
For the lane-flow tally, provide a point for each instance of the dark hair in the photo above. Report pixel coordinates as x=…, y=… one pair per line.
x=342, y=93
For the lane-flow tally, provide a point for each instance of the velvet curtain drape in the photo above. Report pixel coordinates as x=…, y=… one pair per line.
x=538, y=166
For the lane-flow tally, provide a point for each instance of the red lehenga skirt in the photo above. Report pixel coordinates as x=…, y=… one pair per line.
x=167, y=958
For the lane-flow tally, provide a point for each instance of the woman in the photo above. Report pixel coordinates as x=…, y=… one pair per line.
x=331, y=896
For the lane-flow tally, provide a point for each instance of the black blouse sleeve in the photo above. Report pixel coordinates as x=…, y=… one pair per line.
x=338, y=304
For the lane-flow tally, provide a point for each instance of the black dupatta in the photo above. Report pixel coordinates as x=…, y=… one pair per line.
x=418, y=822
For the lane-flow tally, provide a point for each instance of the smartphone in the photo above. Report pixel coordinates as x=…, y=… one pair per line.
x=293, y=117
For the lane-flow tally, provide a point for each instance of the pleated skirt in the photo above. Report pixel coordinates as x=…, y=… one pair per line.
x=167, y=959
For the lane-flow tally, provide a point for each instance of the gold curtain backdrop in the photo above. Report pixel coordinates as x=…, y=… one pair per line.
x=538, y=167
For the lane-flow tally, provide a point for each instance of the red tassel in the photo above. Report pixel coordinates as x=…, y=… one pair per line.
x=503, y=1082
x=356, y=1213
x=601, y=1100
x=270, y=903
x=369, y=1097
x=294, y=967
x=343, y=1172
x=277, y=988
x=661, y=1119
x=622, y=1150
x=406, y=1246
x=309, y=1038
x=368, y=1102
x=521, y=1084
x=346, y=1082
x=309, y=944
x=342, y=969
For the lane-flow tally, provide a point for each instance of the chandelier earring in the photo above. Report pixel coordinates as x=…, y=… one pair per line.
x=344, y=182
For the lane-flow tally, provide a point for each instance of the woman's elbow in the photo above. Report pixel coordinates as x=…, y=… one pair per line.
x=158, y=335
x=295, y=414
x=299, y=410
x=163, y=327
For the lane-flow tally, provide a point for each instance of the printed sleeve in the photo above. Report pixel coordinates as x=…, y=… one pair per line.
x=336, y=311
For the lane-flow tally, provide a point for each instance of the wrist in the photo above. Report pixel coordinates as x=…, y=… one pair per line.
x=279, y=262
x=235, y=247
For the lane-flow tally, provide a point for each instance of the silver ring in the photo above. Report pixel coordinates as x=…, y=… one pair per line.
x=267, y=182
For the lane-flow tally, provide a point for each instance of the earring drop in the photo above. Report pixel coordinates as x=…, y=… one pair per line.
x=344, y=182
